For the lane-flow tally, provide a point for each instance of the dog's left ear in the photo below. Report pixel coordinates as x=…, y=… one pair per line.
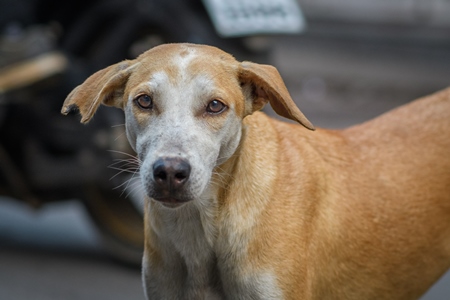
x=268, y=86
x=104, y=87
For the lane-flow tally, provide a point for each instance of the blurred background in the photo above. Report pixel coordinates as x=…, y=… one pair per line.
x=70, y=209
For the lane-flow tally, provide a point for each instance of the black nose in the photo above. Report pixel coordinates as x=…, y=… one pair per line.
x=171, y=174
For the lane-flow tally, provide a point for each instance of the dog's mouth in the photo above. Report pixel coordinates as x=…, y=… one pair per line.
x=171, y=202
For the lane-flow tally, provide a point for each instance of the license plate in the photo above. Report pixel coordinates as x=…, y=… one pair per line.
x=233, y=18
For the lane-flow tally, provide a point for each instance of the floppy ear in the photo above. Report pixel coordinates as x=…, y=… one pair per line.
x=268, y=86
x=105, y=86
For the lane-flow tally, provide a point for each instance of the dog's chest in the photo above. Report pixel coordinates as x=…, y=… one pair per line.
x=187, y=238
x=215, y=264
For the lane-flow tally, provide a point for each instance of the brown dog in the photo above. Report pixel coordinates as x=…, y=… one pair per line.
x=241, y=206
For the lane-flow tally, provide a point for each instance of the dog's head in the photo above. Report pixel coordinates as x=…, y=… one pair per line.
x=184, y=106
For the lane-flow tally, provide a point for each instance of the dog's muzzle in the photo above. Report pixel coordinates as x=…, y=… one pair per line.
x=170, y=175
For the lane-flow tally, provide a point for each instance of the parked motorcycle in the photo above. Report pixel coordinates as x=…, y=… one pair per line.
x=45, y=157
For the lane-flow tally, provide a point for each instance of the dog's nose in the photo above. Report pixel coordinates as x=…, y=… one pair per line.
x=171, y=174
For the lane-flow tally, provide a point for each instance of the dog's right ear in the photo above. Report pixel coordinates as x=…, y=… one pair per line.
x=268, y=86
x=104, y=87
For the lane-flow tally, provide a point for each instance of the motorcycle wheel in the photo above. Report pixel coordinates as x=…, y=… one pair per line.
x=120, y=224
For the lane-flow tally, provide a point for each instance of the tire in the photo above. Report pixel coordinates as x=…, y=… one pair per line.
x=120, y=224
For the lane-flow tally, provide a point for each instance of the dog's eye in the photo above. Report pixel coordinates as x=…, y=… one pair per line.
x=144, y=101
x=215, y=107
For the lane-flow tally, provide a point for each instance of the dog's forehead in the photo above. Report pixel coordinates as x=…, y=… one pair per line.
x=185, y=61
x=168, y=51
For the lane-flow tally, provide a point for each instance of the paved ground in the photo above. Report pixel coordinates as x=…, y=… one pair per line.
x=53, y=253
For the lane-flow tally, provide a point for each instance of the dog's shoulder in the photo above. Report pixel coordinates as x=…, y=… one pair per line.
x=261, y=121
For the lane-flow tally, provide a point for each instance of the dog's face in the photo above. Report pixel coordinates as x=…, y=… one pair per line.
x=183, y=118
x=184, y=106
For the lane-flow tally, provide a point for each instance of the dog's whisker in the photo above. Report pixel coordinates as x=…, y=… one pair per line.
x=135, y=187
x=122, y=171
x=127, y=161
x=125, y=153
x=222, y=173
x=132, y=176
x=119, y=136
x=130, y=186
x=124, y=164
x=129, y=169
x=122, y=184
x=220, y=183
x=220, y=178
